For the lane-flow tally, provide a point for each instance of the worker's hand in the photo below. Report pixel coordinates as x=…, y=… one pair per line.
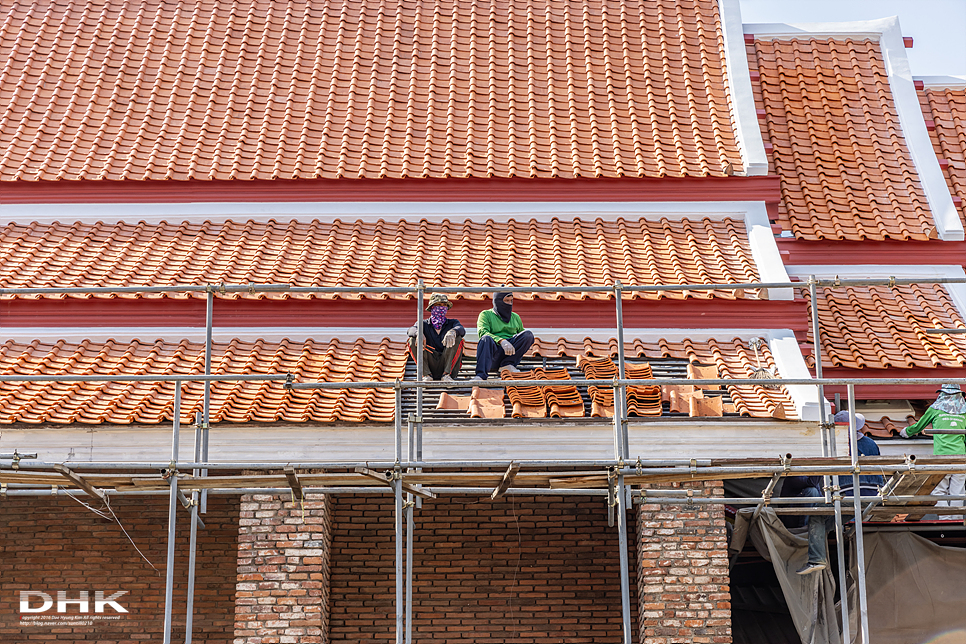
x=450, y=338
x=507, y=347
x=903, y=433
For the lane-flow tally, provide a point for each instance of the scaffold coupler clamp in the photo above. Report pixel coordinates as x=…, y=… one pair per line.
x=911, y=462
x=613, y=498
x=786, y=460
x=289, y=380
x=690, y=498
x=640, y=467
x=694, y=467
x=15, y=462
x=3, y=490
x=171, y=471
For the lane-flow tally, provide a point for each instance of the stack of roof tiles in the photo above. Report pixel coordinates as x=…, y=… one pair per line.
x=641, y=400
x=846, y=171
x=261, y=90
x=371, y=254
x=535, y=401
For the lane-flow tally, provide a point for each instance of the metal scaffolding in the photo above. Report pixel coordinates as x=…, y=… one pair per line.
x=409, y=478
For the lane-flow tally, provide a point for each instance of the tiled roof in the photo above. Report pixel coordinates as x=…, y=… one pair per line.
x=945, y=112
x=838, y=147
x=360, y=254
x=308, y=361
x=878, y=327
x=233, y=402
x=255, y=89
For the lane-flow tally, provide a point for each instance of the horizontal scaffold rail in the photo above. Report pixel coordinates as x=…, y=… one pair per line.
x=253, y=288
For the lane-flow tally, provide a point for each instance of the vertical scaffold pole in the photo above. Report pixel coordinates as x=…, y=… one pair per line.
x=172, y=514
x=840, y=547
x=193, y=540
x=206, y=421
x=409, y=568
x=817, y=354
x=618, y=292
x=621, y=450
x=400, y=608
x=857, y=504
x=420, y=340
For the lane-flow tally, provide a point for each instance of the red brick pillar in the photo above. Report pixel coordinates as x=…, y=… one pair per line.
x=683, y=571
x=282, y=592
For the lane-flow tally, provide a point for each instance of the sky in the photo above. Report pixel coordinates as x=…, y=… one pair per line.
x=938, y=27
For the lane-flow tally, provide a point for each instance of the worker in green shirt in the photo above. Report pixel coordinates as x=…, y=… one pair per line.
x=948, y=412
x=503, y=340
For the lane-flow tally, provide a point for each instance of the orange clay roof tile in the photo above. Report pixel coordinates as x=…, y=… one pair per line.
x=113, y=89
x=397, y=253
x=837, y=144
x=127, y=403
x=878, y=328
x=946, y=108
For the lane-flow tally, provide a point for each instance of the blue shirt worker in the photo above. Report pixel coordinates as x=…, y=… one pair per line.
x=820, y=525
x=503, y=340
x=949, y=413
x=442, y=341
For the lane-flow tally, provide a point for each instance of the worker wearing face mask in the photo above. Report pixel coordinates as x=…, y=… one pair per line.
x=442, y=341
x=503, y=340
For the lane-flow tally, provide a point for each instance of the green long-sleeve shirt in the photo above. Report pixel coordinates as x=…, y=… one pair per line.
x=942, y=443
x=491, y=324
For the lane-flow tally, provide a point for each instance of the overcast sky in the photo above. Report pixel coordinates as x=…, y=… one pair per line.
x=938, y=27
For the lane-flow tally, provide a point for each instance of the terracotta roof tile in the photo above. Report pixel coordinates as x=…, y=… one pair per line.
x=838, y=147
x=238, y=402
x=359, y=253
x=114, y=89
x=946, y=108
x=878, y=328
x=886, y=427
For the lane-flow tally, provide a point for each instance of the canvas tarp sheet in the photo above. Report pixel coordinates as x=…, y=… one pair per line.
x=916, y=589
x=810, y=598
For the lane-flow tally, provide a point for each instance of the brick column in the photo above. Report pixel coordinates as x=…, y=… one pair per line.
x=683, y=571
x=282, y=592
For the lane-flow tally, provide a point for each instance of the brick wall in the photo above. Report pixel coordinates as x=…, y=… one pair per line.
x=683, y=574
x=53, y=544
x=517, y=570
x=283, y=570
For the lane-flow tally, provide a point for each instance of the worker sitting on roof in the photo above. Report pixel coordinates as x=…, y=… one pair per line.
x=948, y=413
x=442, y=341
x=503, y=340
x=820, y=525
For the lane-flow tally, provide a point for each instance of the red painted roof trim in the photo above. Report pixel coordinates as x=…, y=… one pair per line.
x=553, y=190
x=260, y=314
x=914, y=253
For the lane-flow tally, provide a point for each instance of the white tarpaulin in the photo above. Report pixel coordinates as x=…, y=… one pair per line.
x=916, y=589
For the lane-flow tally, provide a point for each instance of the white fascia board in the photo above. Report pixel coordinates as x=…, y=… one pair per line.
x=693, y=438
x=791, y=365
x=744, y=115
x=327, y=211
x=886, y=31
x=764, y=250
x=859, y=271
x=942, y=82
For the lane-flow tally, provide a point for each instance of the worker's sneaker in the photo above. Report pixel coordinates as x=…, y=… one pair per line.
x=810, y=567
x=510, y=368
x=446, y=378
x=427, y=378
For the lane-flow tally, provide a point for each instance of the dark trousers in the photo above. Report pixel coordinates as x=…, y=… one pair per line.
x=491, y=357
x=439, y=363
